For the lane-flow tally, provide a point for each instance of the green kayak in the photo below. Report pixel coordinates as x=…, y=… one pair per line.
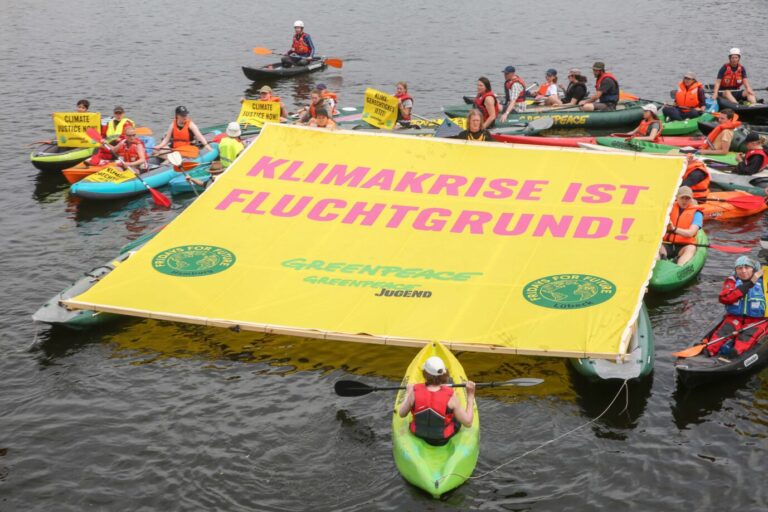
x=52, y=157
x=668, y=275
x=435, y=469
x=686, y=126
x=644, y=146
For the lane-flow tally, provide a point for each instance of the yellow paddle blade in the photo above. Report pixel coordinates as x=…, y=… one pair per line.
x=262, y=51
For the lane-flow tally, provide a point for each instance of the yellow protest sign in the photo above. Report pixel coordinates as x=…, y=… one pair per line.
x=386, y=238
x=71, y=126
x=111, y=175
x=257, y=113
x=380, y=109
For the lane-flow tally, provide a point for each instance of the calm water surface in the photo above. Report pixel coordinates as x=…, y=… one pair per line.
x=154, y=416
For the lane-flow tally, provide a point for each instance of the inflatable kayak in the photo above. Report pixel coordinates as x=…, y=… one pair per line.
x=52, y=157
x=573, y=142
x=717, y=207
x=668, y=275
x=435, y=469
x=686, y=126
x=644, y=146
x=276, y=70
x=727, y=180
x=180, y=185
x=83, y=169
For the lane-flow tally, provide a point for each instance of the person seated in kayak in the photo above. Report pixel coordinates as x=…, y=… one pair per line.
x=606, y=94
x=690, y=101
x=514, y=93
x=685, y=221
x=231, y=145
x=404, y=105
x=113, y=129
x=697, y=177
x=330, y=97
x=548, y=93
x=265, y=94
x=755, y=159
x=182, y=132
x=302, y=49
x=316, y=101
x=576, y=90
x=322, y=120
x=486, y=103
x=437, y=412
x=214, y=170
x=475, y=130
x=744, y=300
x=650, y=126
x=718, y=141
x=730, y=79
x=131, y=150
x=83, y=105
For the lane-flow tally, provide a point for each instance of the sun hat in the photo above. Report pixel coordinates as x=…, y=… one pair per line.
x=233, y=129
x=650, y=107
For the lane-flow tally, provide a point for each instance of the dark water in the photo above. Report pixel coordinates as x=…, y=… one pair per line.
x=153, y=416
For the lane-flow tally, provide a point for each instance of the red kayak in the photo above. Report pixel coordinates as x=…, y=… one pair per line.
x=573, y=142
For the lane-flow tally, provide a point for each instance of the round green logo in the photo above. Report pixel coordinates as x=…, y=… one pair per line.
x=193, y=260
x=569, y=291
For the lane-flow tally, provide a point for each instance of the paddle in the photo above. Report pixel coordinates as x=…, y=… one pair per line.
x=157, y=197
x=696, y=349
x=334, y=63
x=723, y=248
x=185, y=151
x=143, y=130
x=747, y=202
x=354, y=388
x=179, y=166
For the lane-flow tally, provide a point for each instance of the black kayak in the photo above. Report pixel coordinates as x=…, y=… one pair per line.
x=703, y=369
x=277, y=70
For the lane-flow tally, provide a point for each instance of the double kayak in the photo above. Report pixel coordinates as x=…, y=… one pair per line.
x=717, y=206
x=52, y=157
x=435, y=469
x=277, y=70
x=668, y=275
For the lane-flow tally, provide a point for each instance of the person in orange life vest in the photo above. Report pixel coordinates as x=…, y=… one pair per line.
x=731, y=76
x=265, y=94
x=650, y=127
x=755, y=158
x=437, y=412
x=744, y=300
x=316, y=101
x=182, y=132
x=606, y=90
x=690, y=101
x=321, y=120
x=486, y=102
x=132, y=151
x=514, y=93
x=685, y=221
x=114, y=128
x=302, y=49
x=474, y=129
x=330, y=97
x=548, y=92
x=405, y=104
x=697, y=177
x=719, y=140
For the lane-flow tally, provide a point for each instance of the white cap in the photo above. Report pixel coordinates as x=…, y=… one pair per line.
x=298, y=23
x=650, y=107
x=734, y=51
x=233, y=129
x=434, y=366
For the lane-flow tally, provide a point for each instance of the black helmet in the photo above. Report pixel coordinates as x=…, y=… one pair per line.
x=182, y=111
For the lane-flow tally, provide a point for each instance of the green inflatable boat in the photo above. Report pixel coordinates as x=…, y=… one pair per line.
x=668, y=276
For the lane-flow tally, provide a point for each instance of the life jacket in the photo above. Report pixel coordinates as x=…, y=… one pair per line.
x=115, y=130
x=508, y=87
x=687, y=98
x=732, y=79
x=682, y=220
x=431, y=418
x=480, y=137
x=543, y=89
x=644, y=128
x=229, y=148
x=130, y=152
x=300, y=45
x=728, y=125
x=181, y=136
x=753, y=152
x=332, y=99
x=403, y=97
x=606, y=98
x=480, y=103
x=751, y=304
x=700, y=189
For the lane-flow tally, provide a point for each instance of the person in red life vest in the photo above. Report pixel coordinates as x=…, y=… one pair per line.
x=404, y=105
x=474, y=129
x=486, y=102
x=330, y=97
x=697, y=178
x=322, y=120
x=302, y=49
x=131, y=150
x=719, y=140
x=606, y=94
x=514, y=93
x=182, y=132
x=755, y=159
x=730, y=79
x=690, y=101
x=548, y=93
x=650, y=126
x=685, y=221
x=113, y=130
x=744, y=300
x=316, y=101
x=437, y=412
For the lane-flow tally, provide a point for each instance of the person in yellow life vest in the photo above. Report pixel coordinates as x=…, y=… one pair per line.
x=697, y=177
x=182, y=132
x=112, y=130
x=231, y=145
x=131, y=150
x=718, y=141
x=685, y=221
x=322, y=120
x=731, y=77
x=405, y=104
x=650, y=126
x=548, y=93
x=475, y=130
x=690, y=100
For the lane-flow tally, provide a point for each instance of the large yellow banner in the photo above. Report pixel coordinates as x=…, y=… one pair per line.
x=257, y=113
x=380, y=109
x=396, y=239
x=71, y=126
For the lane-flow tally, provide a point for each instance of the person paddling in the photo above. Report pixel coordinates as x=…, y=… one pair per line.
x=437, y=411
x=486, y=103
x=650, y=126
x=606, y=94
x=475, y=130
x=730, y=79
x=114, y=128
x=182, y=132
x=690, y=101
x=685, y=221
x=404, y=104
x=302, y=49
x=514, y=93
x=131, y=150
x=755, y=159
x=718, y=141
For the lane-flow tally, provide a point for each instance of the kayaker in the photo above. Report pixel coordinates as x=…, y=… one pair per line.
x=404, y=105
x=114, y=128
x=718, y=141
x=322, y=120
x=606, y=94
x=475, y=130
x=755, y=158
x=486, y=102
x=685, y=221
x=132, y=151
x=214, y=170
x=265, y=94
x=83, y=105
x=182, y=131
x=316, y=101
x=548, y=91
x=650, y=126
x=731, y=77
x=231, y=145
x=514, y=93
x=330, y=97
x=302, y=49
x=744, y=300
x=576, y=90
x=697, y=177
x=437, y=411
x=690, y=101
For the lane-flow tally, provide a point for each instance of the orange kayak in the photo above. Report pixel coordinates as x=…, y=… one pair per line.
x=81, y=170
x=717, y=206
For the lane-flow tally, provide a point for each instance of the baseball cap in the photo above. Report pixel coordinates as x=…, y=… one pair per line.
x=650, y=107
x=599, y=65
x=265, y=88
x=321, y=86
x=690, y=74
x=551, y=72
x=508, y=69
x=684, y=192
x=233, y=129
x=434, y=366
x=118, y=109
x=181, y=110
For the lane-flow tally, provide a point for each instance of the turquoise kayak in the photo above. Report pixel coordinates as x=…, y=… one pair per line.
x=180, y=185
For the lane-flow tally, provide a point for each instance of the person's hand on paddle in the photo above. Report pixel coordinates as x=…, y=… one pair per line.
x=739, y=157
x=470, y=390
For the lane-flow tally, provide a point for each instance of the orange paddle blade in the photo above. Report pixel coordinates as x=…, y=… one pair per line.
x=690, y=351
x=143, y=130
x=262, y=51
x=628, y=96
x=334, y=63
x=185, y=166
x=188, y=151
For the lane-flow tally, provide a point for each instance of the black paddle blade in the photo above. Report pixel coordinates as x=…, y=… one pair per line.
x=352, y=388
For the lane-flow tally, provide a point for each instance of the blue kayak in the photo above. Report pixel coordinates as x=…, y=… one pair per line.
x=179, y=184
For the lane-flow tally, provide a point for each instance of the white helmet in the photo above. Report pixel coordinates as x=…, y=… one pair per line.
x=298, y=23
x=735, y=51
